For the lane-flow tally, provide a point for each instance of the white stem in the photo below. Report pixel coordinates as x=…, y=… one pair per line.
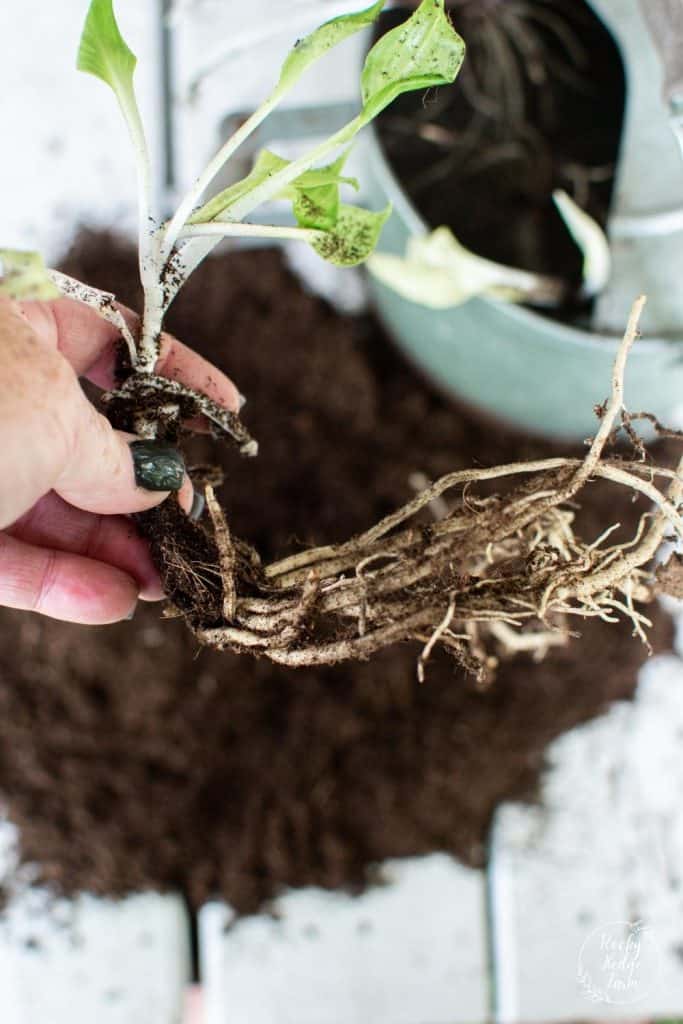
x=136, y=131
x=151, y=267
x=193, y=197
x=229, y=230
x=148, y=346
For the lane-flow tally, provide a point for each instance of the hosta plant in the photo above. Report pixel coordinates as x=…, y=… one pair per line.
x=482, y=576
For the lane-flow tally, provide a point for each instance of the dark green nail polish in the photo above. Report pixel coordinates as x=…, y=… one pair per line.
x=158, y=466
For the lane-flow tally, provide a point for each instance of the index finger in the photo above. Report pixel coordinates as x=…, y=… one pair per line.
x=89, y=343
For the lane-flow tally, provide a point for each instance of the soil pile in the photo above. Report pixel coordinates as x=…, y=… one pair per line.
x=131, y=760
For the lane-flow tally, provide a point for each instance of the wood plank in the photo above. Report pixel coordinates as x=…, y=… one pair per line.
x=90, y=960
x=67, y=159
x=409, y=952
x=605, y=847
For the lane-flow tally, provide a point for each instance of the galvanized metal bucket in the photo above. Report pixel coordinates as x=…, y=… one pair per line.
x=508, y=362
x=535, y=373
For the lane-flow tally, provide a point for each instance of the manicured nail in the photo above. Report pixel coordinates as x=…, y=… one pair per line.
x=197, y=506
x=131, y=613
x=242, y=401
x=158, y=466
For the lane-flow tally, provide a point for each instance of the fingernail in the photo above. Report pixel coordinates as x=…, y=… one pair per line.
x=197, y=506
x=158, y=466
x=131, y=613
x=242, y=401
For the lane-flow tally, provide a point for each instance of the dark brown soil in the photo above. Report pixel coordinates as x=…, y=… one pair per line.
x=485, y=155
x=131, y=760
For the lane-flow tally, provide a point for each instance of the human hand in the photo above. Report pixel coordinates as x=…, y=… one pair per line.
x=67, y=478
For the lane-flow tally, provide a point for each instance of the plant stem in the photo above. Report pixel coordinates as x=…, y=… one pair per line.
x=144, y=182
x=193, y=197
x=150, y=335
x=241, y=230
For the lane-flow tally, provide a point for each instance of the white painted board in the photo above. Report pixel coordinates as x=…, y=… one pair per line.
x=91, y=960
x=66, y=158
x=605, y=850
x=410, y=952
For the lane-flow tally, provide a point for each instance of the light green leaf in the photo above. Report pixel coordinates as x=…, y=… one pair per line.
x=440, y=273
x=315, y=193
x=23, y=276
x=315, y=45
x=422, y=52
x=103, y=51
x=267, y=164
x=318, y=177
x=591, y=240
x=353, y=237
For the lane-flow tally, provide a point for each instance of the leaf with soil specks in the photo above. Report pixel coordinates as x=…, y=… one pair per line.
x=320, y=41
x=315, y=195
x=23, y=276
x=423, y=52
x=354, y=236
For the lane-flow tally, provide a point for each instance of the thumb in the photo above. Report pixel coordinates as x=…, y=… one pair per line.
x=108, y=471
x=54, y=439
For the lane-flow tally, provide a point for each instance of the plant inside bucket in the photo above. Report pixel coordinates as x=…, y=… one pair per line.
x=532, y=152
x=495, y=573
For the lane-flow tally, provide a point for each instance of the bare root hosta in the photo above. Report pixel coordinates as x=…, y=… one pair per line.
x=482, y=576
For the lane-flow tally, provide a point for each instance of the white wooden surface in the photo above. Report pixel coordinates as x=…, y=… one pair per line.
x=411, y=952
x=606, y=846
x=90, y=960
x=66, y=159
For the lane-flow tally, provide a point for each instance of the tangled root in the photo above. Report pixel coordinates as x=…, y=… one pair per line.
x=489, y=577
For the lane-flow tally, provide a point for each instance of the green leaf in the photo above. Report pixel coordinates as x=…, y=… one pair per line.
x=423, y=52
x=438, y=272
x=318, y=177
x=23, y=276
x=267, y=164
x=314, y=46
x=315, y=193
x=103, y=51
x=353, y=237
